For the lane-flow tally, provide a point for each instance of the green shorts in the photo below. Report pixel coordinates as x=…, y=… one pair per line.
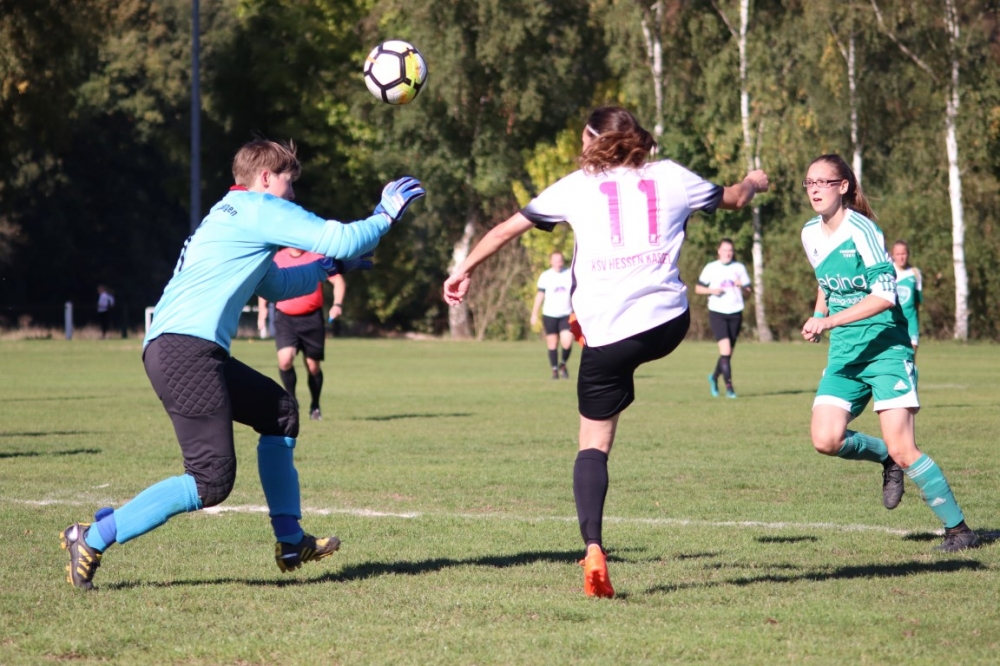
x=850, y=387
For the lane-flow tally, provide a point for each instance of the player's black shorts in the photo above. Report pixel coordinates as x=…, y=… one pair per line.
x=605, y=384
x=204, y=390
x=554, y=325
x=725, y=325
x=307, y=333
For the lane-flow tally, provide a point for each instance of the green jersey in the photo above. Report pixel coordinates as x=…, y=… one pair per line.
x=850, y=264
x=910, y=291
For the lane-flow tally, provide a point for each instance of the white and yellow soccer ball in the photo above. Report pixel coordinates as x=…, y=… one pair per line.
x=395, y=72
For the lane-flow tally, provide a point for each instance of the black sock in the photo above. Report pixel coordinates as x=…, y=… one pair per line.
x=726, y=370
x=590, y=487
x=553, y=358
x=716, y=371
x=315, y=386
x=565, y=354
x=288, y=379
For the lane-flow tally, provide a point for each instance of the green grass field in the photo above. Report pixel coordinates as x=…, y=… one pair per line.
x=446, y=469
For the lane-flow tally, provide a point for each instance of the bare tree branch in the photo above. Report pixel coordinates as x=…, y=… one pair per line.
x=902, y=47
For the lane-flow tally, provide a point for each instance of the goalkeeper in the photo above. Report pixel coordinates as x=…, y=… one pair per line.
x=186, y=353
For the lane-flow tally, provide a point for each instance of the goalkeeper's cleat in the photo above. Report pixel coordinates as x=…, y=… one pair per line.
x=596, y=581
x=291, y=556
x=959, y=538
x=892, y=484
x=563, y=371
x=83, y=560
x=713, y=387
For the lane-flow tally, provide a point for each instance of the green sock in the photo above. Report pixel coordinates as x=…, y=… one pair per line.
x=935, y=490
x=858, y=446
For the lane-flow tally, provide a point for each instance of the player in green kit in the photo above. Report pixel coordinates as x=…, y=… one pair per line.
x=870, y=352
x=909, y=289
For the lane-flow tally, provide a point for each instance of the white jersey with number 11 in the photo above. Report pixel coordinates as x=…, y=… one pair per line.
x=629, y=225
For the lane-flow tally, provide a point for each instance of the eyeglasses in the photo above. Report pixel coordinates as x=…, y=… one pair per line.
x=821, y=183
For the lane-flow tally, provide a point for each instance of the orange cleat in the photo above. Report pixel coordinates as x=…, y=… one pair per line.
x=596, y=581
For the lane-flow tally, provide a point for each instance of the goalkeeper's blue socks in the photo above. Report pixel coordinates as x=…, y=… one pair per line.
x=145, y=512
x=858, y=446
x=280, y=481
x=935, y=490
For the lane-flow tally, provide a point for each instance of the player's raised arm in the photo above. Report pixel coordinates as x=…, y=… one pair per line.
x=737, y=196
x=457, y=285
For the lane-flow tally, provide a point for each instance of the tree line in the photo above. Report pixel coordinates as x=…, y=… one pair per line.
x=95, y=137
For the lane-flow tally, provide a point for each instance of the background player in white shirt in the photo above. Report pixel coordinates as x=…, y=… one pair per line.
x=629, y=218
x=870, y=354
x=724, y=281
x=553, y=298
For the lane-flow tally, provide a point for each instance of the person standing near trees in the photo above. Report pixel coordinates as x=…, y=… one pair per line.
x=299, y=325
x=553, y=298
x=629, y=218
x=105, y=302
x=910, y=289
x=870, y=354
x=204, y=389
x=725, y=281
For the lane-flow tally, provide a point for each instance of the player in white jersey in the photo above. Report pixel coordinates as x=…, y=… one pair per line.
x=629, y=217
x=909, y=289
x=202, y=387
x=870, y=353
x=725, y=281
x=553, y=299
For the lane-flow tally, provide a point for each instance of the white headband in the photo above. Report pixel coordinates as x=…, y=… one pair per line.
x=592, y=130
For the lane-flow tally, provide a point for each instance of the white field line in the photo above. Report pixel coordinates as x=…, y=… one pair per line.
x=663, y=522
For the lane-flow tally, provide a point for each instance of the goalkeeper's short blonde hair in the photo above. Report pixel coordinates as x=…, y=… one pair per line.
x=275, y=156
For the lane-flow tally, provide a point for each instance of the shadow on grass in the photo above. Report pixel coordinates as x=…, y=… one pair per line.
x=765, y=394
x=373, y=570
x=62, y=398
x=785, y=539
x=47, y=433
x=900, y=570
x=397, y=417
x=35, y=454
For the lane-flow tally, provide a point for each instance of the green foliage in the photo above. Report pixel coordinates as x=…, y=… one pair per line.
x=95, y=144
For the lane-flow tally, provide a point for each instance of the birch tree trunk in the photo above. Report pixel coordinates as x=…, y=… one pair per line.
x=459, y=324
x=752, y=151
x=849, y=53
x=654, y=56
x=951, y=145
x=852, y=96
x=955, y=180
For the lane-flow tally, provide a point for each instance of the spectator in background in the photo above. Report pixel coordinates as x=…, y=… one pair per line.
x=105, y=302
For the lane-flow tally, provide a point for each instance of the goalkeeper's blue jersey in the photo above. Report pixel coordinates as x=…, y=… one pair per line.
x=229, y=258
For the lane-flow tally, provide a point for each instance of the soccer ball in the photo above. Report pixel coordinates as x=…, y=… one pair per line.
x=395, y=72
